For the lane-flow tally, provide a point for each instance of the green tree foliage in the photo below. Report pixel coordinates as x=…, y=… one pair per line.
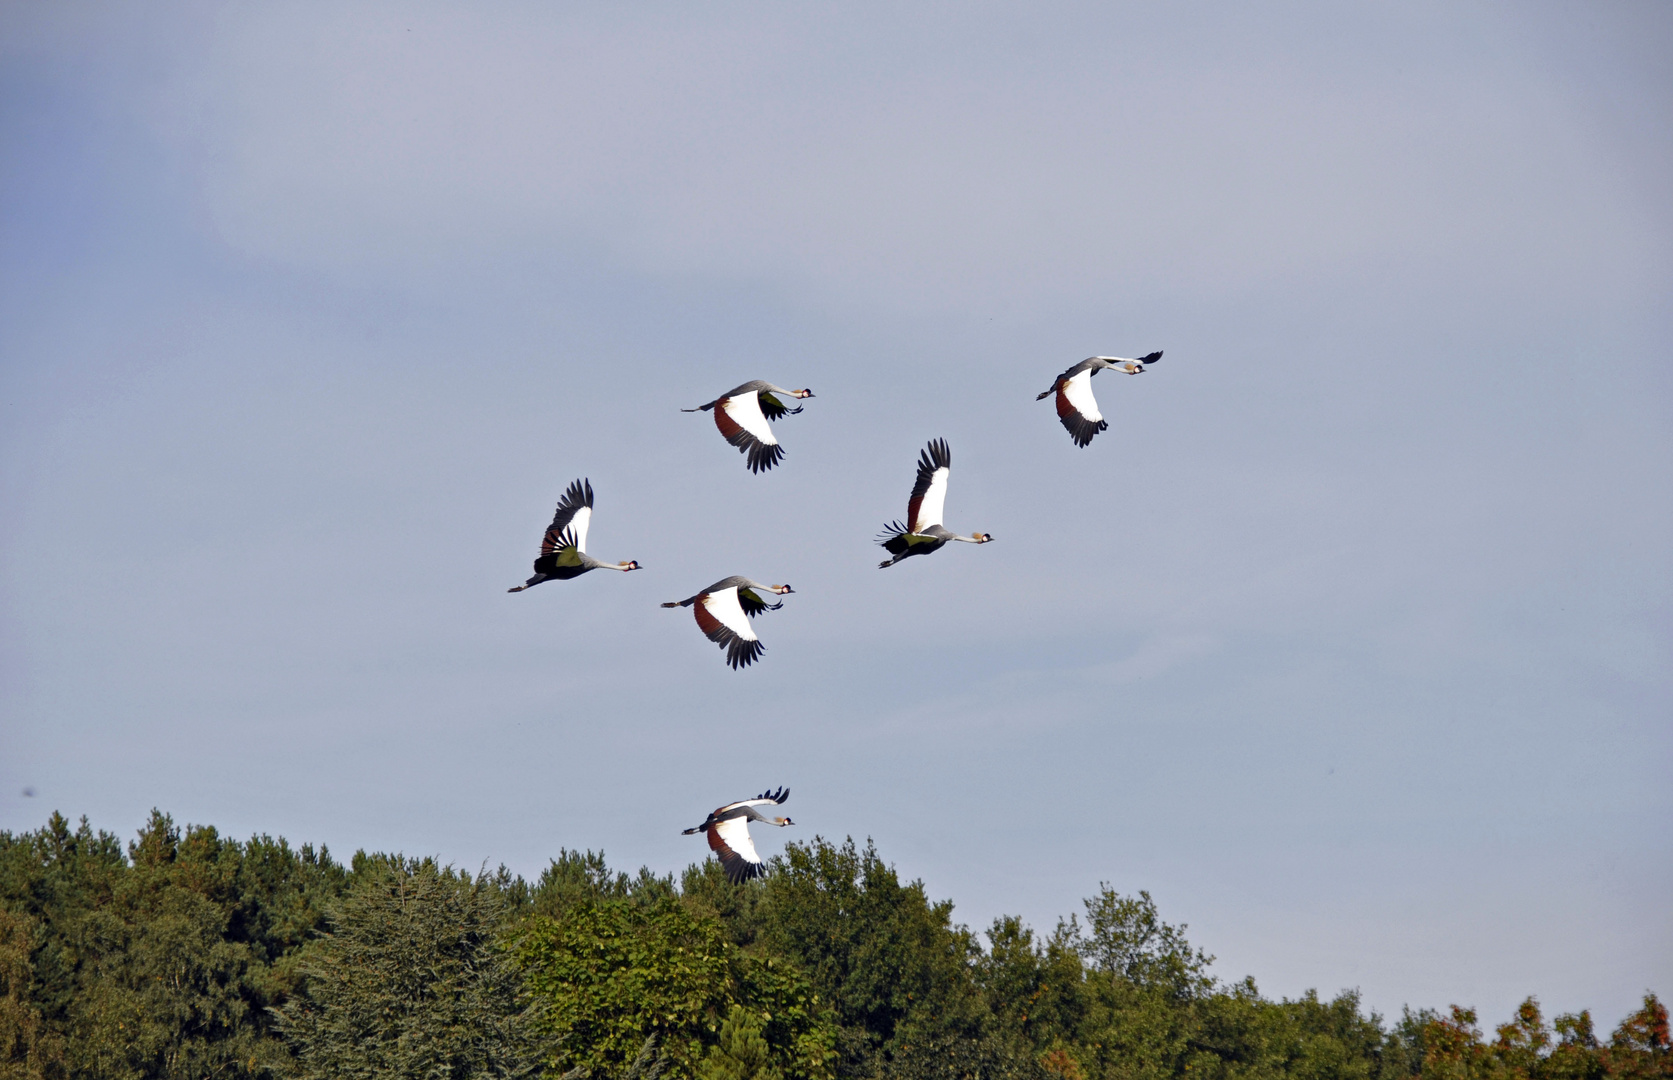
x=890, y=962
x=410, y=982
x=1128, y=940
x=184, y=954
x=1453, y=1047
x=1639, y=1048
x=155, y=962
x=741, y=1052
x=605, y=975
x=28, y=1050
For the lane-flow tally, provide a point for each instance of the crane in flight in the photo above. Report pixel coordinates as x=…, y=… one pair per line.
x=728, y=830
x=923, y=531
x=563, y=550
x=1076, y=406
x=742, y=413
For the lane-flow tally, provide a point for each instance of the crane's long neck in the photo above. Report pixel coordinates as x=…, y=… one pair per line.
x=967, y=539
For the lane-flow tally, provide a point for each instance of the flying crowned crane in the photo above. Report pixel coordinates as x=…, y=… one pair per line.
x=923, y=531
x=1076, y=406
x=728, y=830
x=723, y=612
x=563, y=550
x=741, y=415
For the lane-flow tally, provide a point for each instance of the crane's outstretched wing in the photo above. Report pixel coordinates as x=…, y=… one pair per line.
x=774, y=409
x=729, y=840
x=721, y=618
x=929, y=491
x=753, y=605
x=896, y=538
x=740, y=420
x=766, y=798
x=575, y=513
x=565, y=547
x=1078, y=409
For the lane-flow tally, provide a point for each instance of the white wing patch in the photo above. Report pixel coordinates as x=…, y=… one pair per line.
x=724, y=606
x=578, y=524
x=1078, y=392
x=734, y=833
x=745, y=411
x=929, y=510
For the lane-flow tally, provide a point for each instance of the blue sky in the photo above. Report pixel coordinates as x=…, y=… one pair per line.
x=1349, y=640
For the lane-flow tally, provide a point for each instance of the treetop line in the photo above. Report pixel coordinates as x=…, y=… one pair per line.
x=187, y=954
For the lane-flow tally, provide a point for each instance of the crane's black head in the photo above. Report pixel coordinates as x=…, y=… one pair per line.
x=783, y=590
x=633, y=564
x=804, y=393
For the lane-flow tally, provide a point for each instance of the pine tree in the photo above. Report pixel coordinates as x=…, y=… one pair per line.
x=410, y=983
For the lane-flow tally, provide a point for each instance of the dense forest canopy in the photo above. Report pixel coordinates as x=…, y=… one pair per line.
x=182, y=954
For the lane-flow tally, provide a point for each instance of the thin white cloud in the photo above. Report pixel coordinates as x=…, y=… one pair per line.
x=955, y=179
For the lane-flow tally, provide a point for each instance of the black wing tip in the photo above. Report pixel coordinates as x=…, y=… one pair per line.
x=740, y=653
x=1081, y=430
x=1152, y=358
x=739, y=869
x=580, y=492
x=777, y=796
x=763, y=456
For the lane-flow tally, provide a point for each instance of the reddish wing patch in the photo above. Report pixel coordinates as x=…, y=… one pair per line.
x=728, y=426
x=912, y=505
x=706, y=623
x=738, y=869
x=1064, y=409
